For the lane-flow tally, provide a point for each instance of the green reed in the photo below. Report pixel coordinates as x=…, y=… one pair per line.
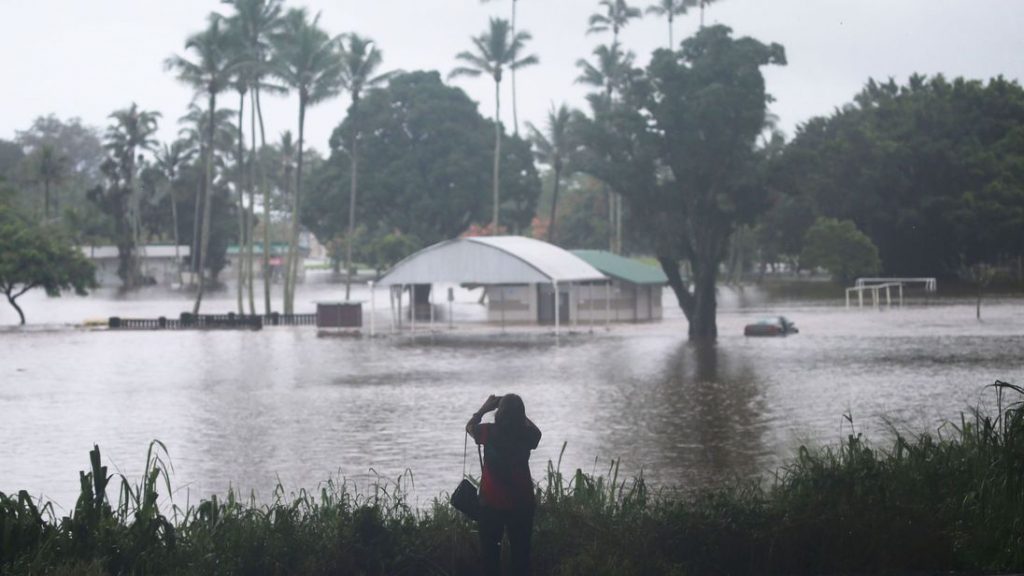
x=950, y=501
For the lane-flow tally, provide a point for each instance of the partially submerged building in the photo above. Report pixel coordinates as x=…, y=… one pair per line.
x=635, y=290
x=158, y=264
x=522, y=277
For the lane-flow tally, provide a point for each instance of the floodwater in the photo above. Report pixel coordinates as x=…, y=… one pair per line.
x=248, y=409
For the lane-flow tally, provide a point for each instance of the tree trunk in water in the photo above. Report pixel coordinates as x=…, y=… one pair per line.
x=266, y=208
x=351, y=208
x=204, y=242
x=703, y=325
x=293, y=248
x=698, y=306
x=250, y=231
x=239, y=183
x=554, y=205
x=497, y=154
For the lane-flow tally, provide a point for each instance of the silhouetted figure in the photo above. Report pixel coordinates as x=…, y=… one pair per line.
x=506, y=488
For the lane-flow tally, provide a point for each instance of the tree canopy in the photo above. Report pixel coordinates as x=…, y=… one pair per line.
x=840, y=248
x=36, y=257
x=932, y=171
x=425, y=149
x=680, y=145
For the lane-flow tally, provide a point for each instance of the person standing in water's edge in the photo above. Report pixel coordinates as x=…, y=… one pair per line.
x=506, y=488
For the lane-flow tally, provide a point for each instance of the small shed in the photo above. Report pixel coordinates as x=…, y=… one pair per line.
x=636, y=288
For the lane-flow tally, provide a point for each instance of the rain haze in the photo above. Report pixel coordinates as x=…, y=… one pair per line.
x=85, y=59
x=710, y=318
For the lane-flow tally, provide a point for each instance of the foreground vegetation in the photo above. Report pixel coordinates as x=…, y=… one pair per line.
x=949, y=502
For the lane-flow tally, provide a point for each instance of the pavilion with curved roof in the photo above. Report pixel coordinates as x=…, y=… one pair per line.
x=522, y=277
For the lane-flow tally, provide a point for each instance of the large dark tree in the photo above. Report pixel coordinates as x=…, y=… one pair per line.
x=681, y=146
x=932, y=171
x=426, y=158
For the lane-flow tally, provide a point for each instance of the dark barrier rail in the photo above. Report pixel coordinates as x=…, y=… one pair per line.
x=187, y=321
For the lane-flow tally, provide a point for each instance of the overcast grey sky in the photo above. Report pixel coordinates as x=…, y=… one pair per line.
x=87, y=58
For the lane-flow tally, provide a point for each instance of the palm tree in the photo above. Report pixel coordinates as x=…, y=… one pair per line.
x=210, y=74
x=169, y=160
x=255, y=22
x=515, y=108
x=703, y=3
x=609, y=72
x=306, y=59
x=240, y=82
x=671, y=9
x=131, y=133
x=195, y=125
x=360, y=62
x=51, y=168
x=496, y=49
x=616, y=17
x=553, y=149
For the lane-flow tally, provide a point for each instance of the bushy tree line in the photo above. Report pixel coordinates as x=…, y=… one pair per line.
x=931, y=171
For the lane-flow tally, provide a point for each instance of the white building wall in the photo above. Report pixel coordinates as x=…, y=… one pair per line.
x=587, y=303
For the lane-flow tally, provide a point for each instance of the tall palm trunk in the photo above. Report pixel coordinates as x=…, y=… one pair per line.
x=240, y=185
x=515, y=98
x=174, y=223
x=196, y=223
x=671, y=42
x=204, y=242
x=554, y=203
x=250, y=228
x=266, y=207
x=497, y=152
x=293, y=248
x=352, y=203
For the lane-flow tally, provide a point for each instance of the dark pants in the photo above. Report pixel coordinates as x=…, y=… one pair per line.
x=519, y=524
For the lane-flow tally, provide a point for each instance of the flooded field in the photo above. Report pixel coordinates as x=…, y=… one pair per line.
x=245, y=409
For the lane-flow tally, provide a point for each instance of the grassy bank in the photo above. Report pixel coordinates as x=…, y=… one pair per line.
x=952, y=501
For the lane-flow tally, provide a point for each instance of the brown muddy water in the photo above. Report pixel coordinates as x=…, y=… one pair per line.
x=247, y=409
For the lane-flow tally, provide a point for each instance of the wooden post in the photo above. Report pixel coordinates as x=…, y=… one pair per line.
x=557, y=307
x=373, y=324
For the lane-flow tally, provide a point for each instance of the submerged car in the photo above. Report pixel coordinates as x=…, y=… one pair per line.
x=772, y=326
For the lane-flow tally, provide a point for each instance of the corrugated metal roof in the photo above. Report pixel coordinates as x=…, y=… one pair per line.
x=492, y=260
x=623, y=268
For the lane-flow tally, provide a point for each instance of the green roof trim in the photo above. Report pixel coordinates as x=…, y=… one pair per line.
x=622, y=268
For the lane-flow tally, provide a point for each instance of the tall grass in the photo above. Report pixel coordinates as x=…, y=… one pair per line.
x=949, y=502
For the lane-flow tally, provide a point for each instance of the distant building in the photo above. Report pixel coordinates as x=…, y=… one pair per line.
x=308, y=247
x=159, y=264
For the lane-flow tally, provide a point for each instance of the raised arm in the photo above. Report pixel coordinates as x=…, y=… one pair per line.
x=490, y=404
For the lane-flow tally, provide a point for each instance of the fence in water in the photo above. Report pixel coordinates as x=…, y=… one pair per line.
x=228, y=321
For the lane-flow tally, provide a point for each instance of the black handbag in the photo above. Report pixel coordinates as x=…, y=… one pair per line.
x=465, y=498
